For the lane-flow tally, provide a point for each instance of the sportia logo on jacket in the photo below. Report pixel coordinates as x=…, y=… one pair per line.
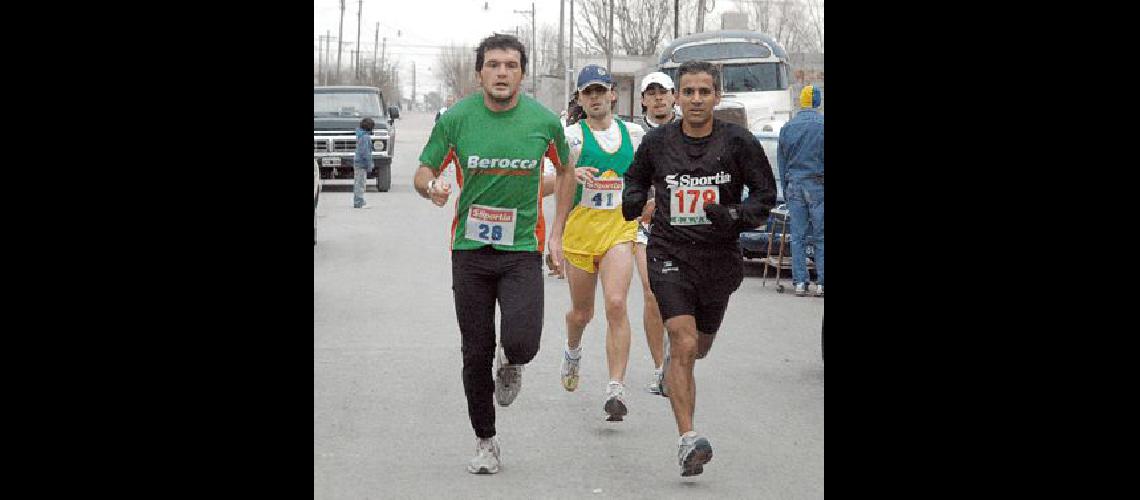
x=686, y=180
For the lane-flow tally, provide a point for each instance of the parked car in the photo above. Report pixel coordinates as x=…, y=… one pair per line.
x=316, y=196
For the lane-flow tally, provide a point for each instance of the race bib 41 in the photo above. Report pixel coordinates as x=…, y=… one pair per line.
x=605, y=195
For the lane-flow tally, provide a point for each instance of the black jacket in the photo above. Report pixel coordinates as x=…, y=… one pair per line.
x=730, y=158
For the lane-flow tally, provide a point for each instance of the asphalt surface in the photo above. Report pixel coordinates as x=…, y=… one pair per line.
x=389, y=415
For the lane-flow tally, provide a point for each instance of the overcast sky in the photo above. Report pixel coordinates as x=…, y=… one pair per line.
x=416, y=29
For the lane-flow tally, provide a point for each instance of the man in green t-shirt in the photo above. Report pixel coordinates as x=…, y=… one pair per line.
x=496, y=141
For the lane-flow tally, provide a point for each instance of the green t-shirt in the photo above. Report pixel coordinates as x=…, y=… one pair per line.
x=499, y=159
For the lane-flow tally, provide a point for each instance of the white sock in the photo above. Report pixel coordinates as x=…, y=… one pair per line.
x=574, y=353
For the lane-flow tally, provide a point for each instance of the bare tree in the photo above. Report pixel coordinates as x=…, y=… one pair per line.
x=689, y=13
x=457, y=68
x=815, y=20
x=790, y=22
x=640, y=26
x=383, y=79
x=546, y=56
x=643, y=25
x=592, y=36
x=703, y=9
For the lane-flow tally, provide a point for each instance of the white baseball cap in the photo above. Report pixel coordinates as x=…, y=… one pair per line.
x=656, y=77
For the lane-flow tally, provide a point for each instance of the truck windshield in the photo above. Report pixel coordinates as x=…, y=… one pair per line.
x=748, y=77
x=753, y=77
x=346, y=105
x=722, y=50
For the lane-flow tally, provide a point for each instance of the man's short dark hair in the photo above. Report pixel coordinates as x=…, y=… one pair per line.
x=694, y=67
x=500, y=41
x=367, y=124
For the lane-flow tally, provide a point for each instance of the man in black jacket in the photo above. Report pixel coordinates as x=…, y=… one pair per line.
x=698, y=168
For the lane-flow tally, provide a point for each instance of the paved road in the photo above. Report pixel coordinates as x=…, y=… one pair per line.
x=390, y=420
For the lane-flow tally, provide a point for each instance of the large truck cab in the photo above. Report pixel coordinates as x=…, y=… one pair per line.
x=754, y=72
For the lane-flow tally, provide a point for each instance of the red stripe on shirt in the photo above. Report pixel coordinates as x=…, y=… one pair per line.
x=540, y=229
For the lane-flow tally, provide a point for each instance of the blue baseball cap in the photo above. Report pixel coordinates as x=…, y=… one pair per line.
x=592, y=74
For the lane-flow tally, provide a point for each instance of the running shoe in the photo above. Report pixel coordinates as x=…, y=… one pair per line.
x=693, y=453
x=655, y=382
x=615, y=402
x=569, y=370
x=486, y=459
x=508, y=379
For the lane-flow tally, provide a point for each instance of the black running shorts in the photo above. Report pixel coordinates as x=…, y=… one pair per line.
x=694, y=279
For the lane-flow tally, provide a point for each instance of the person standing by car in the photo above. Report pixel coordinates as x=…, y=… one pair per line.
x=657, y=100
x=362, y=162
x=497, y=140
x=595, y=241
x=800, y=156
x=698, y=168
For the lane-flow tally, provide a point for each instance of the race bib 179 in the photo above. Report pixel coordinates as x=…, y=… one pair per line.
x=687, y=204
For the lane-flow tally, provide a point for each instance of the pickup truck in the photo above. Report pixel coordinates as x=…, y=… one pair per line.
x=337, y=112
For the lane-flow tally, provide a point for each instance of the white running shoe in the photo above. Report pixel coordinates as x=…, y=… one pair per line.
x=693, y=453
x=569, y=370
x=655, y=382
x=615, y=402
x=486, y=459
x=508, y=379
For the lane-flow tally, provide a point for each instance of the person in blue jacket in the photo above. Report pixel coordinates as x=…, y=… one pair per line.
x=800, y=156
x=362, y=162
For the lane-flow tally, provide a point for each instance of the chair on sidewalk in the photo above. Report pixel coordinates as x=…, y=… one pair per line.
x=779, y=218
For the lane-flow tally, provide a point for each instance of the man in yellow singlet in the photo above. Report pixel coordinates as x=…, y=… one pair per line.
x=591, y=235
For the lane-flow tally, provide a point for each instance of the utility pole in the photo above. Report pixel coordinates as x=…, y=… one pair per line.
x=413, y=82
x=534, y=43
x=700, y=16
x=676, y=20
x=533, y=50
x=396, y=77
x=320, y=57
x=328, y=60
x=561, y=31
x=610, y=42
x=359, y=47
x=570, y=70
x=561, y=59
x=375, y=48
x=339, y=41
